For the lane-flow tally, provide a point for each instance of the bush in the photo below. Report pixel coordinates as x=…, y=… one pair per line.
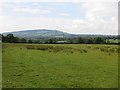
x=102, y=49
x=89, y=47
x=85, y=51
x=111, y=50
x=58, y=48
x=30, y=47
x=118, y=50
x=97, y=48
x=40, y=47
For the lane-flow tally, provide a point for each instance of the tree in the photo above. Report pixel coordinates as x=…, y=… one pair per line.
x=99, y=40
x=29, y=41
x=0, y=37
x=71, y=41
x=3, y=38
x=23, y=40
x=16, y=40
x=10, y=38
x=107, y=41
x=80, y=40
x=90, y=41
x=50, y=41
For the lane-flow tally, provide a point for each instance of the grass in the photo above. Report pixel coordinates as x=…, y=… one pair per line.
x=60, y=66
x=113, y=40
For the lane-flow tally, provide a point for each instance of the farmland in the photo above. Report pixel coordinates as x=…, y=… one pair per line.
x=60, y=66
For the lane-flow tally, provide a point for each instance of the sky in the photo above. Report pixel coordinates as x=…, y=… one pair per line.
x=72, y=17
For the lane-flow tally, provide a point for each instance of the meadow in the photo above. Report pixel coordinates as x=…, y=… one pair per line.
x=59, y=66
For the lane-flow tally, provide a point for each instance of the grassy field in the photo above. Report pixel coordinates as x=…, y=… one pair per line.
x=60, y=66
x=113, y=40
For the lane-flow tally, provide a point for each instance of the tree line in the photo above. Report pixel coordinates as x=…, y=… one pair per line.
x=10, y=38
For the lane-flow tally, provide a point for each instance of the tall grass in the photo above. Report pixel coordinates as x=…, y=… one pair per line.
x=51, y=48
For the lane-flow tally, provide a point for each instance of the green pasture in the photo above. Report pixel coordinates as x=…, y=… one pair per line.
x=59, y=66
x=113, y=40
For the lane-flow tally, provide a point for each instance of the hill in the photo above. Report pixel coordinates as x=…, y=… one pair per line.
x=41, y=33
x=46, y=33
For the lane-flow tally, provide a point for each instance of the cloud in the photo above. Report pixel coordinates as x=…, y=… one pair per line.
x=34, y=23
x=60, y=0
x=26, y=8
x=64, y=14
x=102, y=9
x=32, y=10
x=66, y=25
x=96, y=27
x=100, y=18
x=6, y=23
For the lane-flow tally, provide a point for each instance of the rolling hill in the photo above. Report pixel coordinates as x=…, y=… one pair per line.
x=41, y=33
x=46, y=33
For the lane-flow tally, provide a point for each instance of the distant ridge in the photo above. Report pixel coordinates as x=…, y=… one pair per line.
x=46, y=33
x=40, y=33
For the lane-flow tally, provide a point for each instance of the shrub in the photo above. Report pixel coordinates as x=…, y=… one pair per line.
x=112, y=50
x=85, y=51
x=118, y=50
x=89, y=47
x=102, y=49
x=40, y=47
x=58, y=48
x=30, y=47
x=71, y=51
x=96, y=47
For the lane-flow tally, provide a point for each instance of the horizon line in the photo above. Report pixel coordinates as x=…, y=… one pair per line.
x=58, y=30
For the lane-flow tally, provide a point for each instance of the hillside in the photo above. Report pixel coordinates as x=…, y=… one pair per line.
x=45, y=33
x=41, y=33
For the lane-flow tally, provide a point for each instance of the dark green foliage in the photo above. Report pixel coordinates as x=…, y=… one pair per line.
x=108, y=49
x=90, y=41
x=29, y=41
x=59, y=40
x=3, y=38
x=10, y=38
x=99, y=40
x=23, y=40
x=85, y=51
x=16, y=40
x=118, y=50
x=50, y=41
x=0, y=36
x=51, y=48
x=80, y=40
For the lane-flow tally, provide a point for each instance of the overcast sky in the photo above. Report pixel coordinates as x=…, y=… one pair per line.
x=72, y=17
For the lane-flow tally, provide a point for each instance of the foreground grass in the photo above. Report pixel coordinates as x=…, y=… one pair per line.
x=60, y=66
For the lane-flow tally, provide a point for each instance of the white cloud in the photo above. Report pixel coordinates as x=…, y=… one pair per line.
x=32, y=10
x=101, y=18
x=101, y=9
x=64, y=14
x=34, y=23
x=26, y=10
x=60, y=0
x=67, y=25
